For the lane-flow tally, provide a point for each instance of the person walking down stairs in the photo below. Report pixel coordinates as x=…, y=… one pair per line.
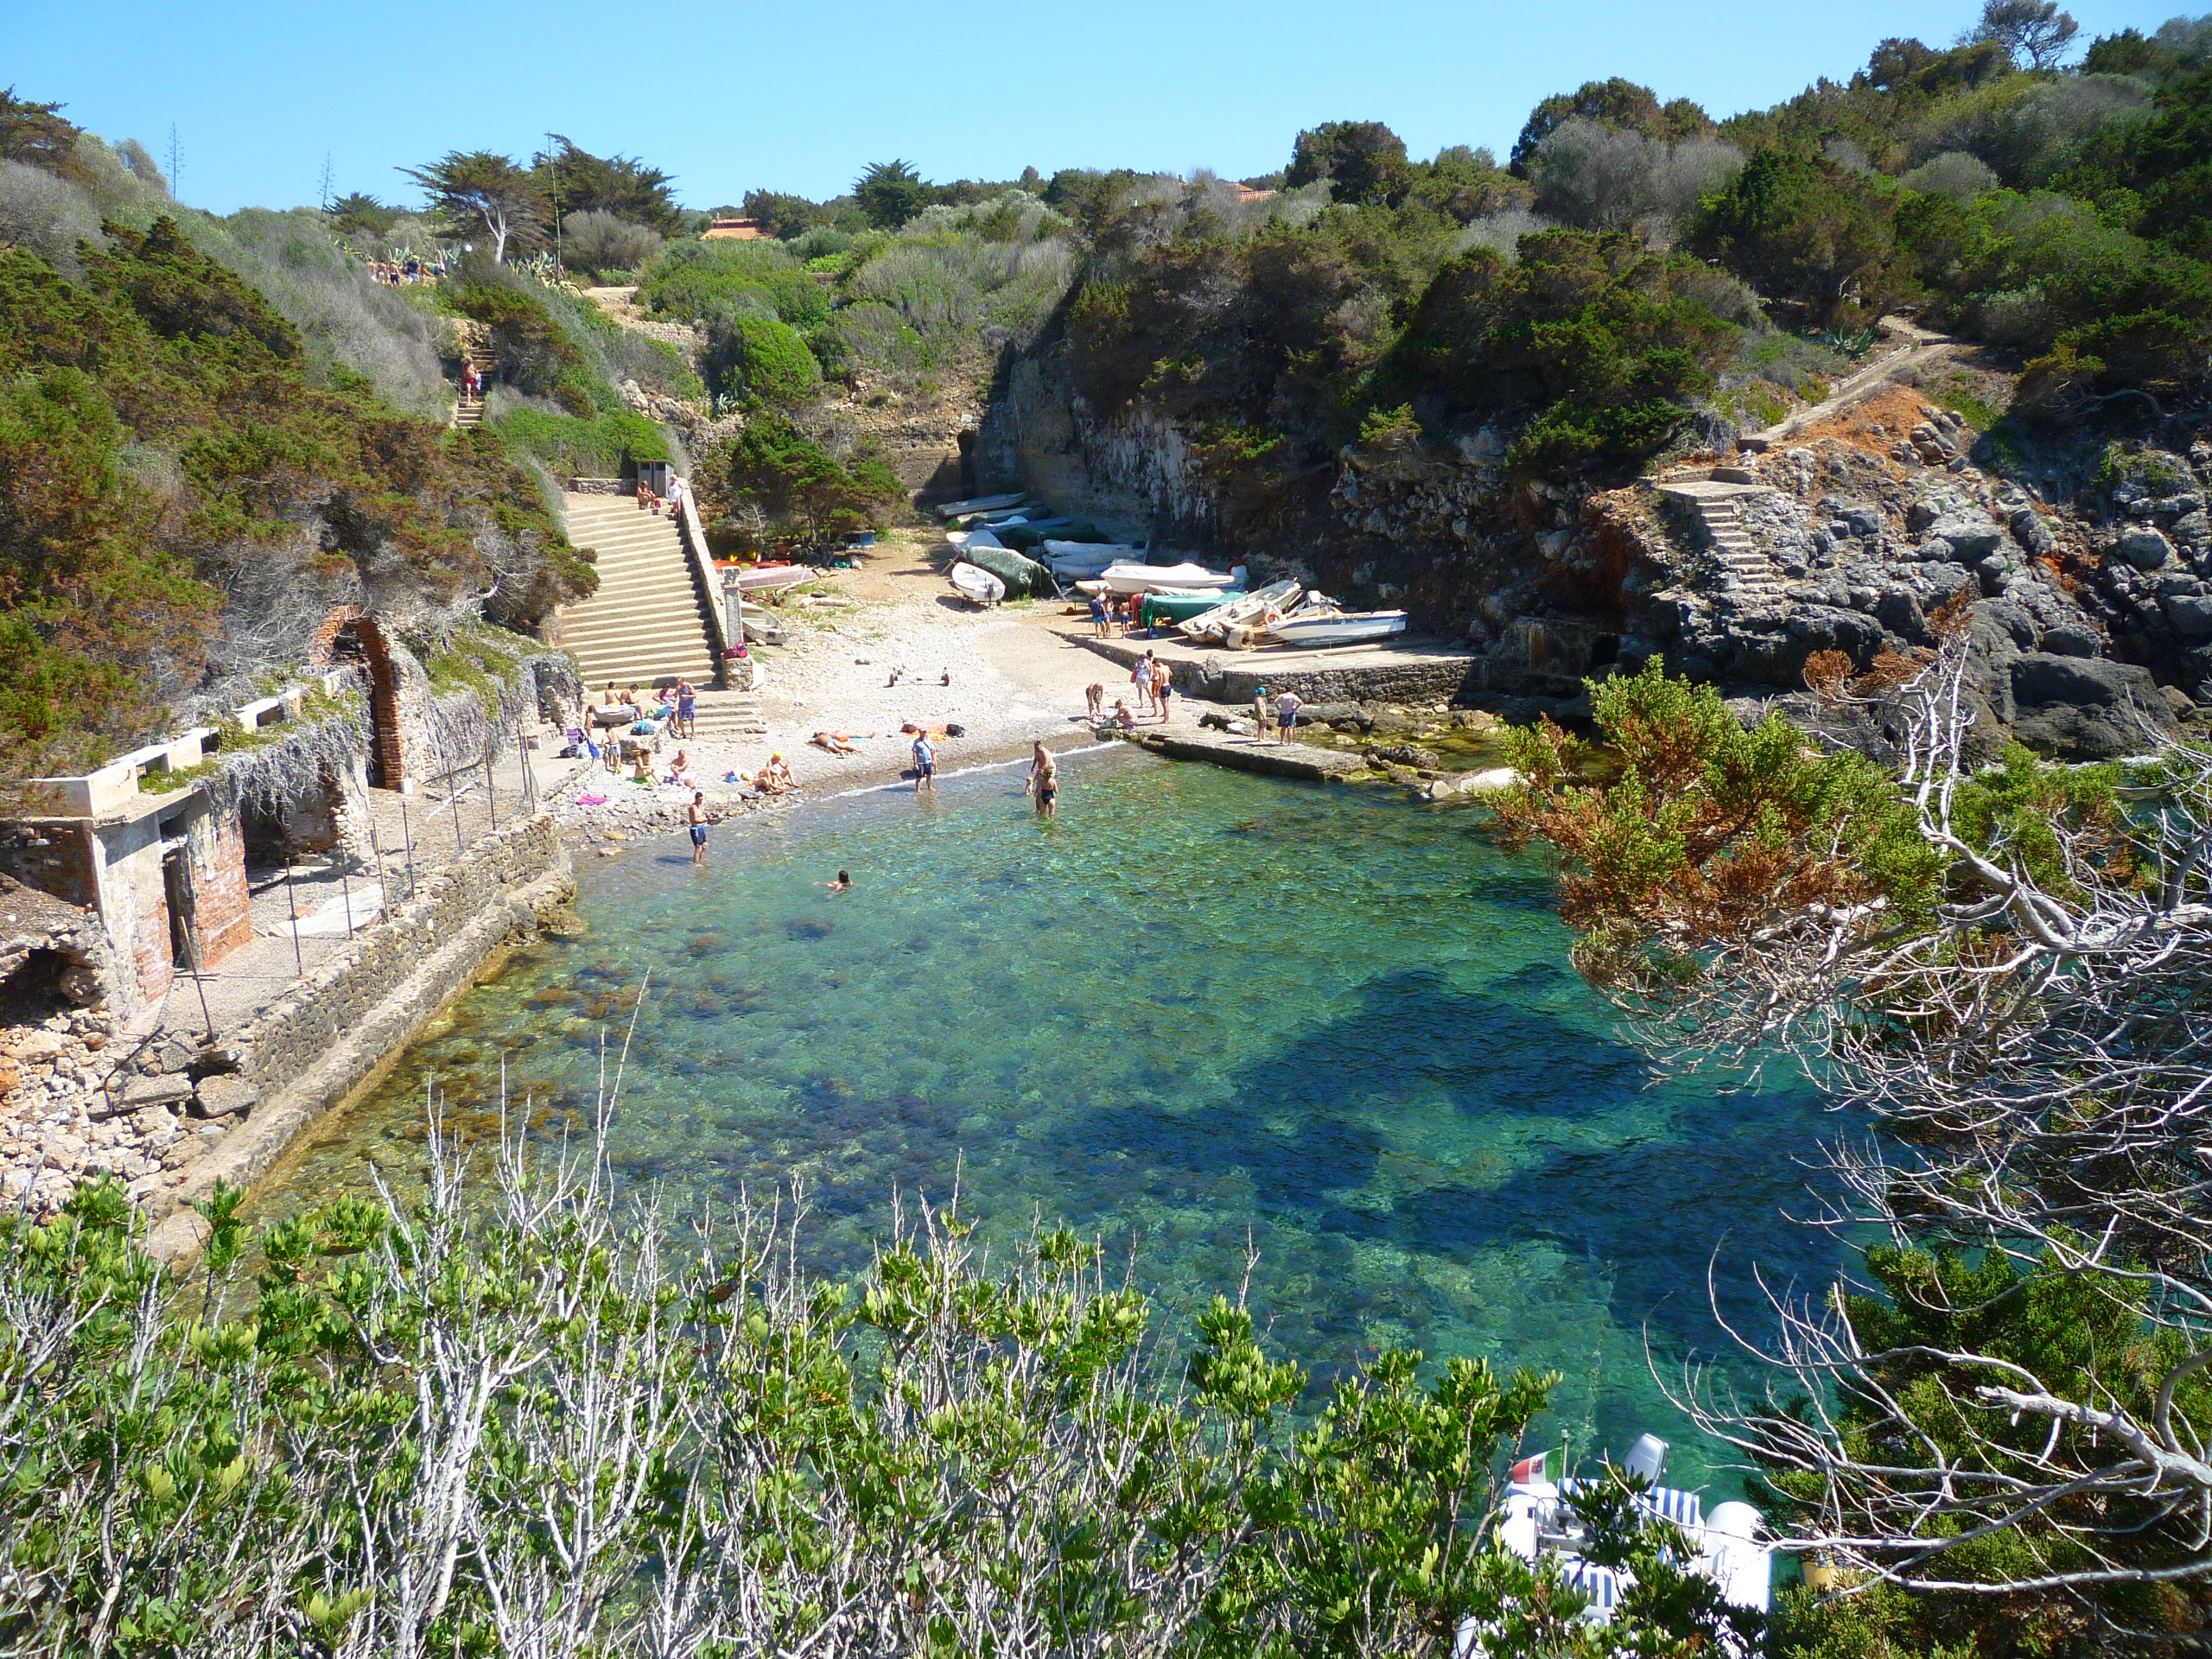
x=478, y=363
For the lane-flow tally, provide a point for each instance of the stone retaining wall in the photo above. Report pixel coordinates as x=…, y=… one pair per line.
x=337, y=1032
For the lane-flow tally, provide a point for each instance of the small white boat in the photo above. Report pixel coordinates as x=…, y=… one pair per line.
x=1540, y=1520
x=977, y=586
x=1338, y=628
x=1244, y=607
x=767, y=576
x=981, y=504
x=1162, y=578
x=979, y=536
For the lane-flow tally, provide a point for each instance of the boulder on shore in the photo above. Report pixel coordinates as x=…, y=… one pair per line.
x=2086, y=708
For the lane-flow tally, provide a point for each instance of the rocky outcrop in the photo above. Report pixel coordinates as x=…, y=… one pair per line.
x=1865, y=526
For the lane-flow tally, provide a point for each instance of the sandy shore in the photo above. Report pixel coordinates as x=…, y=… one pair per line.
x=1003, y=675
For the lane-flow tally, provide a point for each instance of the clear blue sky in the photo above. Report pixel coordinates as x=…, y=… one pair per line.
x=799, y=96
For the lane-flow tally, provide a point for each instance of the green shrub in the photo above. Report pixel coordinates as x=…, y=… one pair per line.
x=715, y=281
x=534, y=352
x=765, y=362
x=1600, y=341
x=608, y=445
x=792, y=483
x=1805, y=226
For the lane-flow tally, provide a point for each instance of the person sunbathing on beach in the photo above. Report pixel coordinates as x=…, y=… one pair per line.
x=837, y=743
x=679, y=770
x=775, y=778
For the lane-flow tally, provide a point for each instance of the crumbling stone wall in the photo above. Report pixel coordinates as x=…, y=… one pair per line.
x=168, y=1115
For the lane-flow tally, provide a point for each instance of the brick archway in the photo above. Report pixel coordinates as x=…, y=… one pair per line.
x=350, y=634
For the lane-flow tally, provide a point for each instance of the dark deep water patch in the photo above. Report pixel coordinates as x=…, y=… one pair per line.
x=1202, y=1007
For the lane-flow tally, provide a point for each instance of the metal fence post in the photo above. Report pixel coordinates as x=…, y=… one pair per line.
x=292, y=902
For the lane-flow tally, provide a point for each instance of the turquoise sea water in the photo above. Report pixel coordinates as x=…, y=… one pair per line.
x=1200, y=1009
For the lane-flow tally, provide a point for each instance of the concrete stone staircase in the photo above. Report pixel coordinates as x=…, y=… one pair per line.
x=727, y=716
x=644, y=624
x=1751, y=575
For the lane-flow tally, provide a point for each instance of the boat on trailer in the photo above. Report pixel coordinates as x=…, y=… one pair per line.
x=767, y=578
x=979, y=504
x=1088, y=560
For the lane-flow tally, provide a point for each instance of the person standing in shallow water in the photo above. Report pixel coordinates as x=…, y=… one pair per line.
x=1044, y=781
x=697, y=813
x=925, y=764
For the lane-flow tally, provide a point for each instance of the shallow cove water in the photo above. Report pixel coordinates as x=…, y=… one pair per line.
x=1201, y=1006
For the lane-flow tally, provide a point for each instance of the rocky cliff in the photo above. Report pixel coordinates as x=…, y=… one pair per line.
x=2083, y=555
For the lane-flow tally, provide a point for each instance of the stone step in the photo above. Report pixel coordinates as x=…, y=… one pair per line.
x=647, y=617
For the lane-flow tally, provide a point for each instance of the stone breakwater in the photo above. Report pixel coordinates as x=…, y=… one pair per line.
x=86, y=1098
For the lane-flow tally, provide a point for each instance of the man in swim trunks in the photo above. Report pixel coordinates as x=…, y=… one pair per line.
x=1044, y=781
x=687, y=708
x=698, y=814
x=1287, y=707
x=924, y=763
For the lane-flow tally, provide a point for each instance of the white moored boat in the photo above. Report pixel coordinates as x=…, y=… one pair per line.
x=760, y=577
x=1540, y=1520
x=976, y=585
x=1338, y=627
x=1162, y=578
x=1244, y=607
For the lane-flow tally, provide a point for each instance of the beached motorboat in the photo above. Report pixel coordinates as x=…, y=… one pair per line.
x=981, y=504
x=1242, y=607
x=754, y=578
x=978, y=585
x=1338, y=627
x=1132, y=578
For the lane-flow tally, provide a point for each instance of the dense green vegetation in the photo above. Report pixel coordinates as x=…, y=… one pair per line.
x=162, y=439
x=526, y=1429
x=785, y=481
x=560, y=361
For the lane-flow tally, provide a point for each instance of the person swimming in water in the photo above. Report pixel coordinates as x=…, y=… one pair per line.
x=842, y=884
